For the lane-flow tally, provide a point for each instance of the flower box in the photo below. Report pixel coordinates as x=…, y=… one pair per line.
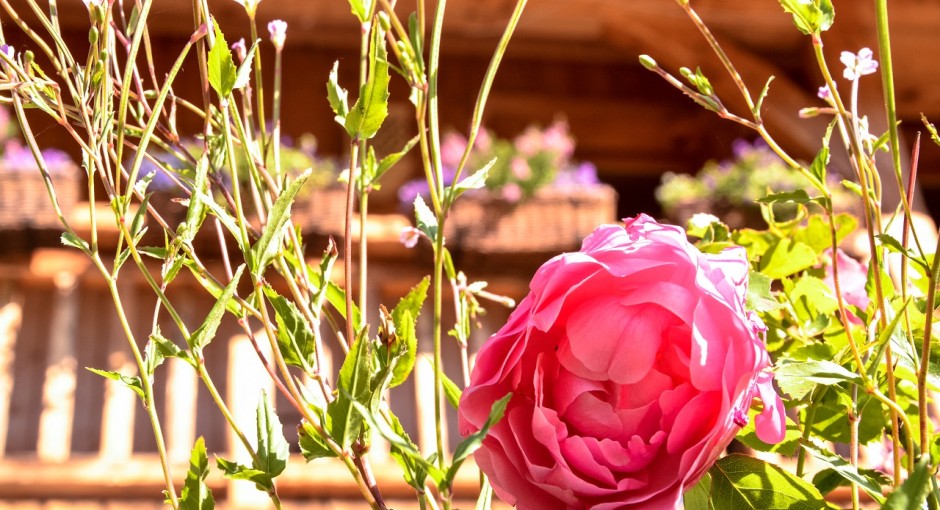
x=322, y=211
x=554, y=219
x=24, y=200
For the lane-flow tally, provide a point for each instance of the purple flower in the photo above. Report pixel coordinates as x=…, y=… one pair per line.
x=583, y=175
x=278, y=31
x=858, y=65
x=238, y=47
x=410, y=237
x=824, y=93
x=18, y=157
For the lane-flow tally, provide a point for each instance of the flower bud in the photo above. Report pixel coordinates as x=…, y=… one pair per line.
x=278, y=31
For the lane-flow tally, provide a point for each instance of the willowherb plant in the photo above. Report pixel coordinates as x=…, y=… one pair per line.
x=853, y=344
x=232, y=180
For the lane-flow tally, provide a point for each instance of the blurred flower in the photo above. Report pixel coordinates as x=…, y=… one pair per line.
x=858, y=65
x=824, y=93
x=238, y=47
x=251, y=6
x=410, y=237
x=452, y=148
x=278, y=31
x=8, y=51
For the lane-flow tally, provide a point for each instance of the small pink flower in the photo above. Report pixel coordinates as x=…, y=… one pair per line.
x=410, y=237
x=632, y=364
x=853, y=276
x=824, y=93
x=452, y=148
x=278, y=30
x=238, y=47
x=858, y=65
x=520, y=168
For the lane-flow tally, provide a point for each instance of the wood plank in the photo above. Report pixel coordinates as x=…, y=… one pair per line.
x=58, y=401
x=120, y=404
x=247, y=378
x=11, y=315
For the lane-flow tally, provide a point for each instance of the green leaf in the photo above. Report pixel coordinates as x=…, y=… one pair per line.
x=370, y=110
x=810, y=16
x=797, y=378
x=912, y=494
x=403, y=450
x=405, y=317
x=741, y=482
x=476, y=180
x=485, y=499
x=196, y=494
x=295, y=337
x=236, y=471
x=72, y=240
x=473, y=442
x=798, y=196
x=425, y=219
x=697, y=498
x=270, y=241
x=831, y=419
x=828, y=480
x=132, y=382
x=337, y=95
x=788, y=447
x=361, y=9
x=847, y=471
x=312, y=444
x=273, y=449
x=386, y=163
x=227, y=220
x=243, y=75
x=787, y=257
x=759, y=296
x=206, y=332
x=452, y=392
x=353, y=387
x=222, y=73
x=164, y=348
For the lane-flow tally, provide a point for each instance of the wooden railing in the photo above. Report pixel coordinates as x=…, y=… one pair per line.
x=66, y=433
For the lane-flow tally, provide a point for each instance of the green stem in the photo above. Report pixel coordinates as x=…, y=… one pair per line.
x=146, y=383
x=347, y=241
x=363, y=191
x=259, y=87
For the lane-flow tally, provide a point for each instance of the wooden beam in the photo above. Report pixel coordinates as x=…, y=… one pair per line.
x=11, y=315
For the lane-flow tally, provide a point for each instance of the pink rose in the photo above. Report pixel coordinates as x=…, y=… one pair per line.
x=632, y=365
x=853, y=276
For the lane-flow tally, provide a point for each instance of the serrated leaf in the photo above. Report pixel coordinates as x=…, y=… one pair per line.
x=295, y=337
x=196, y=494
x=163, y=348
x=759, y=296
x=206, y=332
x=72, y=240
x=371, y=108
x=243, y=75
x=386, y=163
x=740, y=482
x=402, y=446
x=222, y=73
x=273, y=449
x=787, y=257
x=236, y=471
x=227, y=220
x=270, y=241
x=797, y=378
x=132, y=382
x=473, y=442
x=912, y=494
x=337, y=96
x=476, y=180
x=405, y=317
x=312, y=445
x=425, y=219
x=353, y=387
x=847, y=471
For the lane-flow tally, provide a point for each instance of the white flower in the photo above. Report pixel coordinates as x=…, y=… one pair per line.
x=858, y=65
x=251, y=6
x=278, y=31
